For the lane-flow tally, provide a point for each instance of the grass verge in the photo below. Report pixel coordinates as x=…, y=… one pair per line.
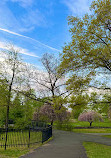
x=101, y=130
x=13, y=152
x=108, y=136
x=106, y=123
x=16, y=152
x=95, y=150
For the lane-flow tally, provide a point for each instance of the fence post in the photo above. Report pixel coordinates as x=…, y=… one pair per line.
x=42, y=136
x=29, y=138
x=51, y=131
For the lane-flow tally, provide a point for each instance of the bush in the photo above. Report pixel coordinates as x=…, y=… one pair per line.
x=67, y=126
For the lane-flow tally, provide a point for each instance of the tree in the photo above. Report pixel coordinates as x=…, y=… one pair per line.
x=90, y=116
x=36, y=115
x=50, y=81
x=3, y=92
x=11, y=75
x=47, y=113
x=63, y=114
x=78, y=103
x=61, y=111
x=16, y=108
x=89, y=52
x=3, y=100
x=50, y=113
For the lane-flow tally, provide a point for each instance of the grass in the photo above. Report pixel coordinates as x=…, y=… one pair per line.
x=108, y=136
x=19, y=138
x=71, y=126
x=106, y=123
x=76, y=123
x=15, y=141
x=16, y=152
x=95, y=150
x=13, y=152
x=101, y=130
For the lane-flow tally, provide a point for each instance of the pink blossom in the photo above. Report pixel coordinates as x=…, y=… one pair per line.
x=90, y=116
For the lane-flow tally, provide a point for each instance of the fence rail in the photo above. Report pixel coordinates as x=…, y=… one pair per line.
x=24, y=137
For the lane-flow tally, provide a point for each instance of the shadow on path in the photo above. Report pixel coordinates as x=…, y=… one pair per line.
x=66, y=145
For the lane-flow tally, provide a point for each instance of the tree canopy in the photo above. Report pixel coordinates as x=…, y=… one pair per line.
x=90, y=48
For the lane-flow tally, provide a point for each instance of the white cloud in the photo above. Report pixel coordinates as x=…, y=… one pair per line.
x=20, y=50
x=24, y=21
x=23, y=3
x=7, y=18
x=17, y=34
x=77, y=7
x=34, y=18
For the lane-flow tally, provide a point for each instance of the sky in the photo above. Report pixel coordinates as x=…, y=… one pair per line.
x=38, y=26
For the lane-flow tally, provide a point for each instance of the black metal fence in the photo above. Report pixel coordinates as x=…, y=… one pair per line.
x=24, y=137
x=46, y=133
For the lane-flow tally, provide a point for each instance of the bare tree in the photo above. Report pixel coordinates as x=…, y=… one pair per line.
x=50, y=81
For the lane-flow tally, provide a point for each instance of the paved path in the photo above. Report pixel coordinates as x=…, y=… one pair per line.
x=66, y=145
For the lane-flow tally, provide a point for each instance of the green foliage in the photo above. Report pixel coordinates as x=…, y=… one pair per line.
x=101, y=105
x=78, y=103
x=60, y=110
x=3, y=100
x=90, y=47
x=3, y=92
x=66, y=125
x=94, y=101
x=16, y=109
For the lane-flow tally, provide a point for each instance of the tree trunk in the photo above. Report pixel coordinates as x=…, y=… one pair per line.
x=8, y=106
x=7, y=117
x=51, y=122
x=90, y=124
x=6, y=126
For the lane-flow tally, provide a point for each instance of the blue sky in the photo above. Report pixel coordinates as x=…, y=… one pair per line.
x=38, y=26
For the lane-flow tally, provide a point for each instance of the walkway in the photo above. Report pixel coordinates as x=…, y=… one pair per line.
x=66, y=145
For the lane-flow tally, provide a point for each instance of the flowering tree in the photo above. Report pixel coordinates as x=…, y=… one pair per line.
x=47, y=113
x=62, y=114
x=90, y=116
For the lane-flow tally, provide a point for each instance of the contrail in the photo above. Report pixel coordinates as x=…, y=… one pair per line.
x=22, y=51
x=17, y=34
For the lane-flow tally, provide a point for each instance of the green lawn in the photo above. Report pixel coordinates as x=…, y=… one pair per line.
x=71, y=126
x=108, y=136
x=14, y=149
x=106, y=123
x=95, y=150
x=13, y=152
x=101, y=130
x=16, y=152
x=19, y=138
x=76, y=123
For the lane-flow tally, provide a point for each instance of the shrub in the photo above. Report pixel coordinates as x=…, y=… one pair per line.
x=90, y=116
x=66, y=125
